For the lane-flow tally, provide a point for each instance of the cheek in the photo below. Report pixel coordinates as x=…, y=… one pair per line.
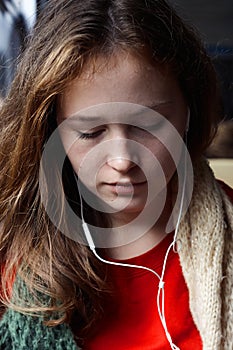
x=85, y=164
x=76, y=158
x=163, y=157
x=74, y=151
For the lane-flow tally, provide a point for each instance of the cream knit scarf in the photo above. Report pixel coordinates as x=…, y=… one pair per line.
x=206, y=256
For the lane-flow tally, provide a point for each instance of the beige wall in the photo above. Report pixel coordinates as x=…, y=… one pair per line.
x=223, y=170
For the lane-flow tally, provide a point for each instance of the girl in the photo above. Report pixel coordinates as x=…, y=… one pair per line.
x=106, y=95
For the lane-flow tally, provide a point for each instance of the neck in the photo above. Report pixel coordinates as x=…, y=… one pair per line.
x=145, y=243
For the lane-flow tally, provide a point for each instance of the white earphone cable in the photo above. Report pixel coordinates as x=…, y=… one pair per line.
x=161, y=291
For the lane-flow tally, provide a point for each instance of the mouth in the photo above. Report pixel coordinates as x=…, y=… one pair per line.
x=125, y=187
x=126, y=183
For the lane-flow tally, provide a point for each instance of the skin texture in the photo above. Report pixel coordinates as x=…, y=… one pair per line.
x=107, y=142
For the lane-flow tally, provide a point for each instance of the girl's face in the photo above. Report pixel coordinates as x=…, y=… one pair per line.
x=107, y=148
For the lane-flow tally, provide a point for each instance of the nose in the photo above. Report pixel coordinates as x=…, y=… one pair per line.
x=121, y=164
x=121, y=154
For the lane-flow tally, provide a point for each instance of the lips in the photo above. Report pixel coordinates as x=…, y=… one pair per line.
x=125, y=188
x=126, y=183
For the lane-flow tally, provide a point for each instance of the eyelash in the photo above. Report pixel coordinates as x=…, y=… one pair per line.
x=91, y=135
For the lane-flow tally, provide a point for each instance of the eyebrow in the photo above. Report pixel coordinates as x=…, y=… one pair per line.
x=83, y=118
x=90, y=118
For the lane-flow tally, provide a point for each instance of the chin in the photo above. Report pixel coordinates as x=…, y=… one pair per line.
x=132, y=207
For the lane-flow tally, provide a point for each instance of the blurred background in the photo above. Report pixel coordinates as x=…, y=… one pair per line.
x=213, y=19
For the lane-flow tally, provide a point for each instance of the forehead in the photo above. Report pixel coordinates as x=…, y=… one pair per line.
x=122, y=77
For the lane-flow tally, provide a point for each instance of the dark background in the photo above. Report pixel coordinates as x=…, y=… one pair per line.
x=214, y=20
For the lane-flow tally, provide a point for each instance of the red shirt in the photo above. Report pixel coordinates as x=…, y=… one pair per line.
x=131, y=320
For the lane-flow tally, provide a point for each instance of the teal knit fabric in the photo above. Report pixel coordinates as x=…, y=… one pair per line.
x=21, y=332
x=24, y=332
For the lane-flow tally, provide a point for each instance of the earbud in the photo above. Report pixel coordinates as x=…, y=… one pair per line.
x=88, y=235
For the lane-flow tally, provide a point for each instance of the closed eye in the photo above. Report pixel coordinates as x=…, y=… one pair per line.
x=149, y=128
x=90, y=135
